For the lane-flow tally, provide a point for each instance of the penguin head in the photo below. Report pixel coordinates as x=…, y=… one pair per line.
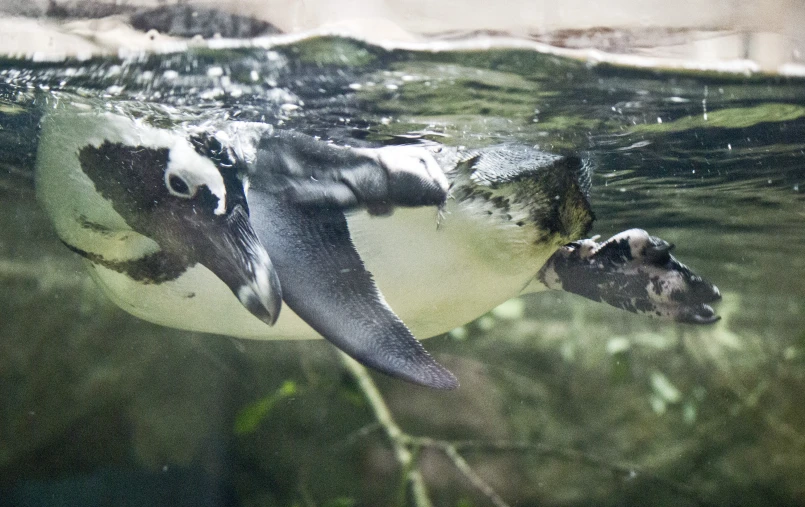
x=193, y=206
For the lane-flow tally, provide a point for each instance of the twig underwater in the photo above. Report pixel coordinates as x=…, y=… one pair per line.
x=406, y=449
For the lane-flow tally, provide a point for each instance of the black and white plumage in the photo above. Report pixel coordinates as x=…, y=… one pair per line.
x=361, y=244
x=633, y=271
x=162, y=216
x=145, y=208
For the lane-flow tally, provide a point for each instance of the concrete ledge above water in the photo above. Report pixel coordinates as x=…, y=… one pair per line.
x=726, y=35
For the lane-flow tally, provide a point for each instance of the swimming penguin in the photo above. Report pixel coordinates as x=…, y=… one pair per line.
x=210, y=230
x=162, y=217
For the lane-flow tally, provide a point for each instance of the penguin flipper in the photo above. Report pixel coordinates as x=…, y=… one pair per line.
x=325, y=282
x=315, y=173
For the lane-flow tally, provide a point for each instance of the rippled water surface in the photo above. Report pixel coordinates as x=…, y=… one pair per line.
x=567, y=402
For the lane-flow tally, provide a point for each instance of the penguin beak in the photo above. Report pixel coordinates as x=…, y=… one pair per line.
x=236, y=256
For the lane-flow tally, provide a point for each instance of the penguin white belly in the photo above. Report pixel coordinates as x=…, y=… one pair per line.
x=196, y=301
x=435, y=278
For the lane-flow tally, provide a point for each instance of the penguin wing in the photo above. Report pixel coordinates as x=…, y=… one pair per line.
x=325, y=282
x=312, y=172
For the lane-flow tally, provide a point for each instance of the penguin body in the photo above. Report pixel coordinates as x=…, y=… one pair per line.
x=161, y=216
x=360, y=245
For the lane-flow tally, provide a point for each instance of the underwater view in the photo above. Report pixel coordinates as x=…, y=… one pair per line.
x=562, y=400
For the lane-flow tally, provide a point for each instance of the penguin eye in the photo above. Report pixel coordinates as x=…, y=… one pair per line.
x=178, y=186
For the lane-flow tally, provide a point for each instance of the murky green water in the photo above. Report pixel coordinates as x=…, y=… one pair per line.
x=613, y=408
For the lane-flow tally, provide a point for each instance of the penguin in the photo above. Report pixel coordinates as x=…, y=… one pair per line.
x=213, y=228
x=162, y=217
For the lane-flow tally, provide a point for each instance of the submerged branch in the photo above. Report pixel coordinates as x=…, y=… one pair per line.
x=406, y=447
x=412, y=477
x=622, y=470
x=462, y=466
